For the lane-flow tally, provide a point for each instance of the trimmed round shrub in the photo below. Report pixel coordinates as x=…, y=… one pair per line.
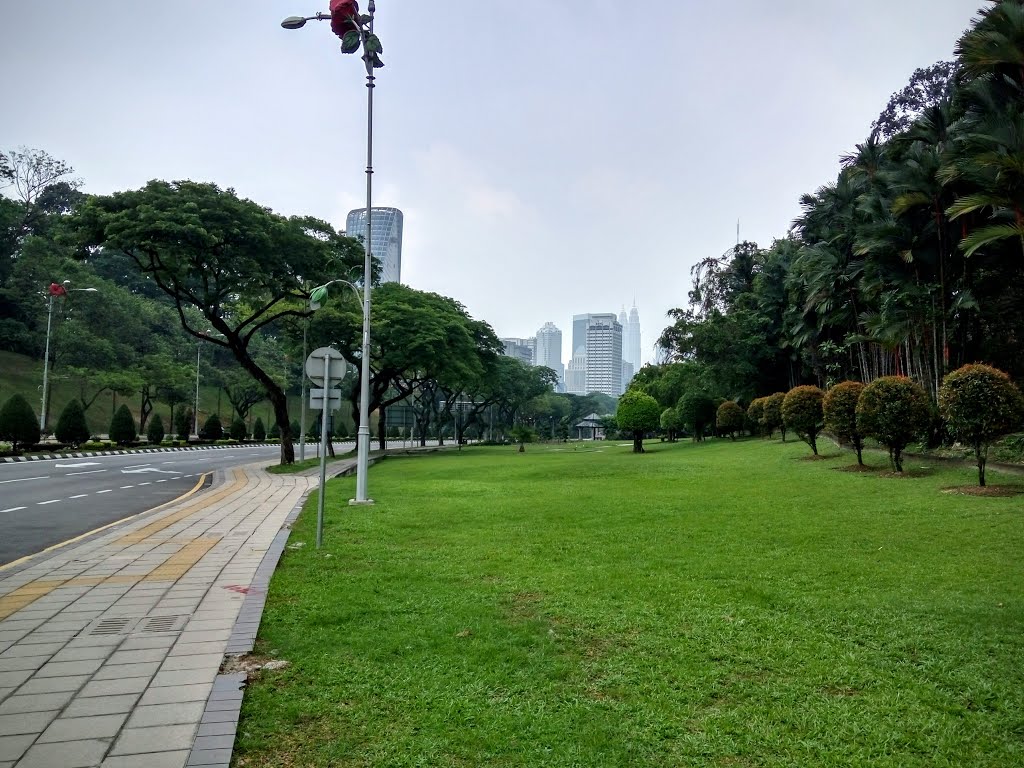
x=155, y=430
x=671, y=423
x=755, y=412
x=340, y=430
x=297, y=430
x=212, y=429
x=72, y=427
x=18, y=423
x=697, y=411
x=979, y=405
x=637, y=412
x=802, y=412
x=237, y=430
x=895, y=411
x=840, y=411
x=771, y=418
x=729, y=419
x=122, y=426
x=259, y=432
x=275, y=432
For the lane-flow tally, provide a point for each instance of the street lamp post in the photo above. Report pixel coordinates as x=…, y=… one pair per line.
x=357, y=31
x=56, y=289
x=195, y=426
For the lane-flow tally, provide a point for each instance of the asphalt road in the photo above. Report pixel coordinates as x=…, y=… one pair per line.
x=43, y=503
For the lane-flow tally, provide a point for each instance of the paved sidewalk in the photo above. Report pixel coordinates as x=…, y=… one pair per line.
x=110, y=648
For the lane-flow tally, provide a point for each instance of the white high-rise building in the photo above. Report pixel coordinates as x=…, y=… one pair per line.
x=604, y=355
x=548, y=350
x=576, y=373
x=521, y=349
x=386, y=246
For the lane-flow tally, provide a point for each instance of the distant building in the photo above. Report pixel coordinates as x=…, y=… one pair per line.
x=631, y=337
x=548, y=350
x=521, y=349
x=576, y=373
x=627, y=374
x=386, y=234
x=604, y=355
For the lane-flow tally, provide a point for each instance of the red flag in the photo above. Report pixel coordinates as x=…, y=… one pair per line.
x=56, y=289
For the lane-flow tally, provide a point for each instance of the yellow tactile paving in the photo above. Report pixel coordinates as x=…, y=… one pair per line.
x=239, y=479
x=22, y=596
x=178, y=564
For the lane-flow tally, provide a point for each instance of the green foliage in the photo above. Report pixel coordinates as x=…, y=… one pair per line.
x=522, y=434
x=771, y=415
x=895, y=411
x=155, y=430
x=183, y=421
x=730, y=418
x=340, y=428
x=18, y=423
x=697, y=411
x=637, y=413
x=275, y=432
x=122, y=426
x=802, y=412
x=296, y=429
x=979, y=405
x=839, y=410
x=671, y=423
x=237, y=430
x=72, y=427
x=755, y=412
x=259, y=431
x=212, y=428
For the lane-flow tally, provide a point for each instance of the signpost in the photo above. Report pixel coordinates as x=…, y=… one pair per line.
x=327, y=368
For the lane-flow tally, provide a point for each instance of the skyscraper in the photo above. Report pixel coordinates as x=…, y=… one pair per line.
x=631, y=337
x=548, y=350
x=387, y=238
x=604, y=355
x=521, y=349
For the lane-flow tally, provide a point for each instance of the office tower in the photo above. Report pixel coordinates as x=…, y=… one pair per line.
x=548, y=350
x=579, y=331
x=604, y=354
x=627, y=374
x=387, y=239
x=576, y=373
x=521, y=349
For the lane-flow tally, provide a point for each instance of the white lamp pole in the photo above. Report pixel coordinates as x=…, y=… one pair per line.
x=46, y=353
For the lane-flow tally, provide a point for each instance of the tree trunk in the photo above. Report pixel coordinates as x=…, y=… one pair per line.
x=638, y=441
x=382, y=428
x=812, y=438
x=280, y=404
x=981, y=456
x=860, y=447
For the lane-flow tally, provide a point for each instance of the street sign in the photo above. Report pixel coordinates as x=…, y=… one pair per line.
x=337, y=367
x=316, y=399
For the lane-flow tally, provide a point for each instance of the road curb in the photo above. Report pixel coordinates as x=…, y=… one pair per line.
x=87, y=454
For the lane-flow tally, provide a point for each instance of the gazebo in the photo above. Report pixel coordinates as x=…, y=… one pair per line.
x=592, y=422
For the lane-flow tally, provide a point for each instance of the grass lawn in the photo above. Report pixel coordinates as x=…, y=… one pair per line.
x=721, y=604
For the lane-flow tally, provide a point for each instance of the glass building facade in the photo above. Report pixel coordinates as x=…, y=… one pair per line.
x=387, y=239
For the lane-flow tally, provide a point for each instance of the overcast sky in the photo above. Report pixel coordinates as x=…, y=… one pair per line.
x=551, y=158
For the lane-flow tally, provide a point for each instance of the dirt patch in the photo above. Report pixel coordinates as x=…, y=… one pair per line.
x=832, y=690
x=988, y=490
x=250, y=663
x=856, y=468
x=812, y=457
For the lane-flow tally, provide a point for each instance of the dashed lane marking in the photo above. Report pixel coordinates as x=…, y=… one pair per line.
x=12, y=509
x=87, y=472
x=23, y=479
x=51, y=501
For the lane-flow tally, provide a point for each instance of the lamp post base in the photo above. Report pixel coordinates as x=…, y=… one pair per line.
x=363, y=503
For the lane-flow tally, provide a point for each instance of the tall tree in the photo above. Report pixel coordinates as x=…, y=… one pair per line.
x=239, y=264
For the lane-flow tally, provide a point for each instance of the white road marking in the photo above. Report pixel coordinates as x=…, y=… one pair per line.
x=87, y=472
x=79, y=464
x=11, y=509
x=135, y=466
x=51, y=501
x=142, y=484
x=149, y=469
x=23, y=479
x=78, y=496
x=126, y=486
x=108, y=490
x=162, y=481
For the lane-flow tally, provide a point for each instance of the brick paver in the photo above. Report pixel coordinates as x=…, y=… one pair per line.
x=110, y=648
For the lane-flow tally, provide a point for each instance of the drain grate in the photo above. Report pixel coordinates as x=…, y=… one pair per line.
x=113, y=625
x=152, y=624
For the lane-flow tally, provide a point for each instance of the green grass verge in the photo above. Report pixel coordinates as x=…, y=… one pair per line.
x=302, y=466
x=722, y=604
